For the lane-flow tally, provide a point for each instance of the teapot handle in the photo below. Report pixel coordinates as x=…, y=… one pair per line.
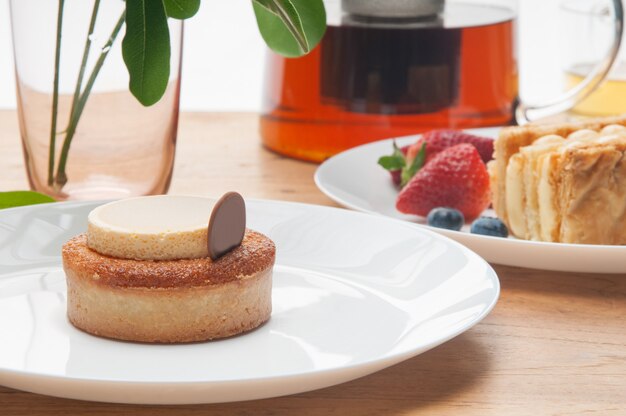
x=526, y=113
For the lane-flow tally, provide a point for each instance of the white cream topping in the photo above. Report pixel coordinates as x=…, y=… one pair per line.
x=548, y=216
x=531, y=180
x=164, y=227
x=614, y=129
x=515, y=196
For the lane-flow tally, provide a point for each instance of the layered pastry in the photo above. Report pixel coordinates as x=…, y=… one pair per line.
x=153, y=269
x=562, y=183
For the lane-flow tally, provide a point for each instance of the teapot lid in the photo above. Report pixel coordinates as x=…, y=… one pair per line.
x=393, y=8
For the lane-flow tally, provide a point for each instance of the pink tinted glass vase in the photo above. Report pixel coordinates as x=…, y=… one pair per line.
x=118, y=148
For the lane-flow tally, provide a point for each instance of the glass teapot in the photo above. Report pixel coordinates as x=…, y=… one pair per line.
x=388, y=68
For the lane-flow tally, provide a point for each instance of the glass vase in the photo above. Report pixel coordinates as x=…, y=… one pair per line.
x=101, y=145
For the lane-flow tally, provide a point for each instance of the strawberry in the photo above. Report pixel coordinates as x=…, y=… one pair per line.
x=456, y=178
x=406, y=161
x=438, y=140
x=396, y=176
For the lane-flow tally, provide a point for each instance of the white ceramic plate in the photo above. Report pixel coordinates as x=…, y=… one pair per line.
x=354, y=180
x=353, y=294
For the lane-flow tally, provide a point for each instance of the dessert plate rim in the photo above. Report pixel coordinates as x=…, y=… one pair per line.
x=359, y=161
x=140, y=391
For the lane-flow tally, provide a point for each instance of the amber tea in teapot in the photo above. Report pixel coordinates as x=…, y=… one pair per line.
x=374, y=77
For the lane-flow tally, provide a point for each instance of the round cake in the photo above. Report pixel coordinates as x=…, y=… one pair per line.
x=165, y=301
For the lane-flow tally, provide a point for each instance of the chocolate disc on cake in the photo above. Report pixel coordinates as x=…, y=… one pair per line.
x=227, y=225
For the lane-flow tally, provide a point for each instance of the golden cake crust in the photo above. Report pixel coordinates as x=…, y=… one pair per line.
x=170, y=301
x=256, y=253
x=169, y=315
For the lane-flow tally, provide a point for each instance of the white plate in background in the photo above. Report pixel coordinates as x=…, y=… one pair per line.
x=355, y=180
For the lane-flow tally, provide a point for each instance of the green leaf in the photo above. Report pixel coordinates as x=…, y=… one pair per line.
x=291, y=27
x=286, y=12
x=391, y=162
x=409, y=171
x=181, y=9
x=22, y=198
x=395, y=161
x=146, y=49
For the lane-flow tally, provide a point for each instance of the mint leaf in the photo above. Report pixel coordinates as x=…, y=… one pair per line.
x=409, y=171
x=395, y=161
x=22, y=198
x=391, y=162
x=181, y=9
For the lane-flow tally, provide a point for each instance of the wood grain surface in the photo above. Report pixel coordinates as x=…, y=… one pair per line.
x=554, y=345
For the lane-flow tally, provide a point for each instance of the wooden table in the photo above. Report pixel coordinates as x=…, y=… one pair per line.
x=554, y=345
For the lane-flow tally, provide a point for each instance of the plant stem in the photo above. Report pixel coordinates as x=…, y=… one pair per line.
x=61, y=176
x=55, y=94
x=83, y=64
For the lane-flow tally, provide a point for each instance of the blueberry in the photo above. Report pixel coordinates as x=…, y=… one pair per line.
x=489, y=226
x=448, y=218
